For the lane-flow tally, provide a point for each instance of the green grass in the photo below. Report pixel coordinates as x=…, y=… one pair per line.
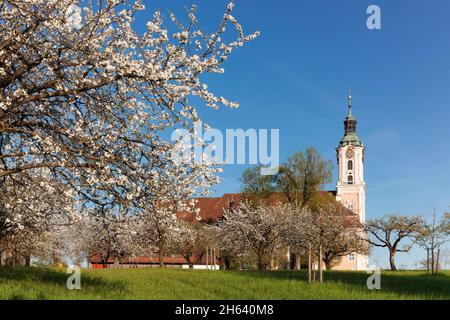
x=41, y=283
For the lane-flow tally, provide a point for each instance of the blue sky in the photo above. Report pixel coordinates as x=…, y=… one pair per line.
x=295, y=77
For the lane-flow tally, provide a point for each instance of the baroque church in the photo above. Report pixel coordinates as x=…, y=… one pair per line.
x=350, y=191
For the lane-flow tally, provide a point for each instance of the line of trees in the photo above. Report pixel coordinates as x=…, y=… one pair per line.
x=115, y=238
x=262, y=234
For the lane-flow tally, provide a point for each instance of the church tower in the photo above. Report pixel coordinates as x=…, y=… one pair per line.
x=351, y=188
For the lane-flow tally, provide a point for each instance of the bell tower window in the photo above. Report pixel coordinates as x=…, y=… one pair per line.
x=350, y=165
x=350, y=179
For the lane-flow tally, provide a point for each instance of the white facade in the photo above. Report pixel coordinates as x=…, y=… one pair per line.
x=351, y=188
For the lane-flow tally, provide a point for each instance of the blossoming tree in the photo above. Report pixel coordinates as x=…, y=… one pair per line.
x=85, y=95
x=88, y=98
x=253, y=228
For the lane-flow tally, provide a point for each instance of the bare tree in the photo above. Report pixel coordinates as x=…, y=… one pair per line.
x=390, y=230
x=431, y=237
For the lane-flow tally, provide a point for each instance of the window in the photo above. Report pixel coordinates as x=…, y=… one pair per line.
x=351, y=257
x=350, y=206
x=350, y=165
x=350, y=179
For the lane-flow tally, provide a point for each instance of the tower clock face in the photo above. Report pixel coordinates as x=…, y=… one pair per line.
x=349, y=153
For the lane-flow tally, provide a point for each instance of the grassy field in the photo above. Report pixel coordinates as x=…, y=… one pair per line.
x=40, y=283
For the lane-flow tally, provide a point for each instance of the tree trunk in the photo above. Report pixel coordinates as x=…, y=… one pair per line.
x=309, y=264
x=188, y=258
x=320, y=264
x=392, y=260
x=161, y=258
x=226, y=263
x=298, y=264
x=432, y=261
x=28, y=261
x=437, y=260
x=314, y=275
x=105, y=263
x=327, y=262
x=428, y=260
x=292, y=260
x=78, y=259
x=260, y=262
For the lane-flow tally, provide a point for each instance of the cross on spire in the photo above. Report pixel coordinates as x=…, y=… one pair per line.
x=349, y=96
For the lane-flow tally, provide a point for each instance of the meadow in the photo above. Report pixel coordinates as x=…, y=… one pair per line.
x=155, y=283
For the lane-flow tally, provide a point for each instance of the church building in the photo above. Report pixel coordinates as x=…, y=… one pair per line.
x=350, y=191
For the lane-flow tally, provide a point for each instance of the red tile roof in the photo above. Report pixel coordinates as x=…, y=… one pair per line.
x=211, y=209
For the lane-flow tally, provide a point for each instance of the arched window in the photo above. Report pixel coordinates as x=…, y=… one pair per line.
x=350, y=165
x=350, y=179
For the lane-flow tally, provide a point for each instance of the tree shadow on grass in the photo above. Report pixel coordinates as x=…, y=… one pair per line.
x=412, y=284
x=38, y=276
